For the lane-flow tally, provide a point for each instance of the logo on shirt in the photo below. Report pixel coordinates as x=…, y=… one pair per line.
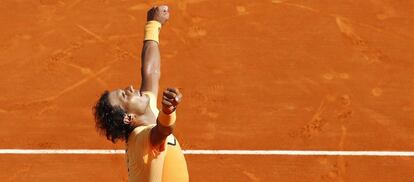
x=171, y=140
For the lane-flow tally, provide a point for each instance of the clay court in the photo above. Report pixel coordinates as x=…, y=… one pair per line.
x=262, y=75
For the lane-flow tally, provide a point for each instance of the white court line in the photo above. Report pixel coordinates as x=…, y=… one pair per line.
x=218, y=152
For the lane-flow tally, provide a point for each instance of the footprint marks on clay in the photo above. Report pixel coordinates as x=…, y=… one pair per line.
x=212, y=93
x=339, y=111
x=59, y=56
x=370, y=54
x=241, y=10
x=196, y=32
x=345, y=111
x=314, y=126
x=386, y=10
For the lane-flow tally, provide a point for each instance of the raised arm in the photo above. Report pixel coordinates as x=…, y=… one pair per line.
x=150, y=73
x=150, y=55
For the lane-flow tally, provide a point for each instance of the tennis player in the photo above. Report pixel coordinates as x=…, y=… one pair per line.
x=152, y=152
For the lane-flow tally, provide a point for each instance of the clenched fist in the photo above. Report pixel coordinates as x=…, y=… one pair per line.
x=159, y=14
x=170, y=99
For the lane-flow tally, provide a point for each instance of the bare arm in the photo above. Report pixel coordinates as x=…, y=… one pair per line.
x=150, y=74
x=150, y=69
x=170, y=100
x=150, y=55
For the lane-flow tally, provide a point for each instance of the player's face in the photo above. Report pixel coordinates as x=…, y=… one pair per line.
x=129, y=99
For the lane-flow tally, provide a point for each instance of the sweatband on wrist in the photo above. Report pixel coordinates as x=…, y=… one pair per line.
x=152, y=30
x=166, y=119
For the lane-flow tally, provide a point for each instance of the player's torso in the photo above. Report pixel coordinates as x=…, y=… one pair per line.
x=175, y=166
x=143, y=165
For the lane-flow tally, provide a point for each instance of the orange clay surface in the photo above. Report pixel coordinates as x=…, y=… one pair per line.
x=256, y=75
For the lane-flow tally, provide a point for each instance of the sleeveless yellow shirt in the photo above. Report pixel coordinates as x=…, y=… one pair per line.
x=146, y=163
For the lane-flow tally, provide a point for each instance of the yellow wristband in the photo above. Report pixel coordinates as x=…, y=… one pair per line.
x=166, y=119
x=152, y=31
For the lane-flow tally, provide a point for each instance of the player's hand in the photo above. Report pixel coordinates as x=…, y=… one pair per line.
x=170, y=100
x=159, y=14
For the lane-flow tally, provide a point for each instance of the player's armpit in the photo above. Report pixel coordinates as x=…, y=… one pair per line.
x=158, y=135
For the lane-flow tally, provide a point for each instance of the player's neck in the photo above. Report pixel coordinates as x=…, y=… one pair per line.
x=147, y=118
